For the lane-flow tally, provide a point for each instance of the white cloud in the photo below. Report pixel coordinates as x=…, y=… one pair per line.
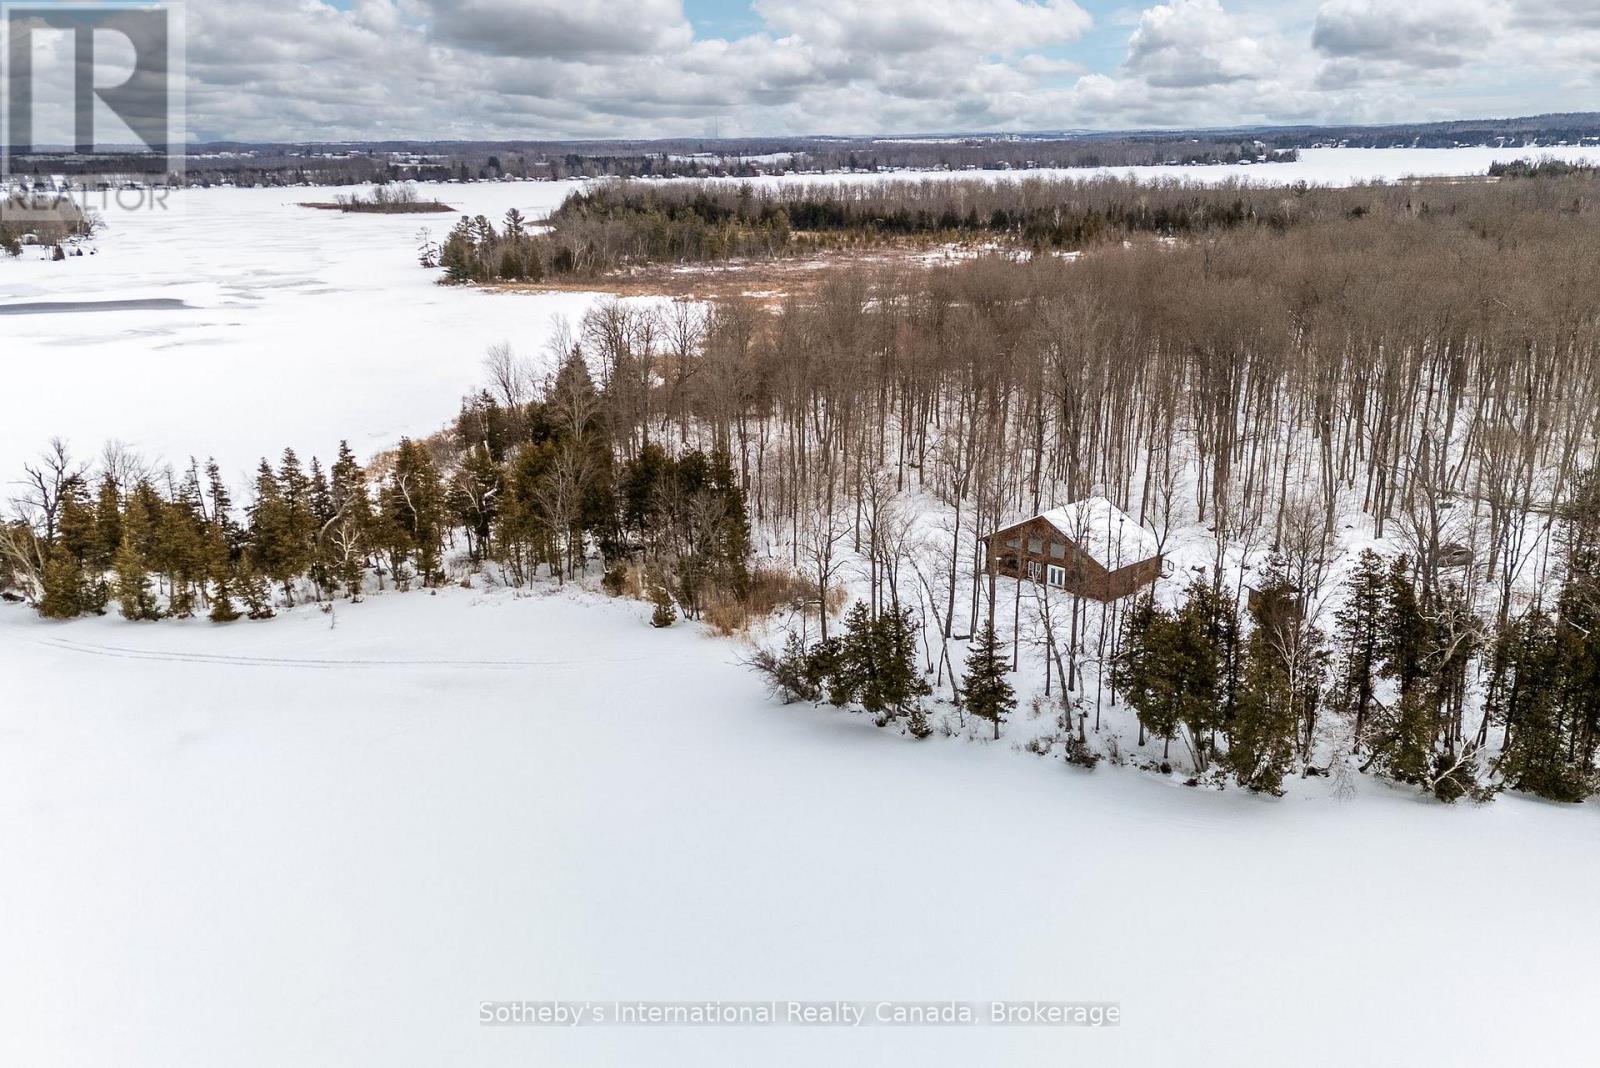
x=1192, y=43
x=302, y=69
x=1421, y=34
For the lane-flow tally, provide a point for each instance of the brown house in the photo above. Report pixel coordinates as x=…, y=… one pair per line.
x=1090, y=547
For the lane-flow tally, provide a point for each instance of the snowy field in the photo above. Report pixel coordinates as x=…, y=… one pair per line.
x=282, y=843
x=299, y=327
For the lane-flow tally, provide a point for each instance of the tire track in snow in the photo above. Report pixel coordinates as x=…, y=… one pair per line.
x=239, y=660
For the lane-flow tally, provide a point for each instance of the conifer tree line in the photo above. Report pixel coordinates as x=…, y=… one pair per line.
x=522, y=483
x=1392, y=674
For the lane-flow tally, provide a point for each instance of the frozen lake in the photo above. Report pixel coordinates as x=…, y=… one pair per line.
x=299, y=327
x=344, y=839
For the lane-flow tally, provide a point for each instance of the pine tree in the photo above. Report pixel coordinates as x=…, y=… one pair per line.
x=1203, y=668
x=1139, y=671
x=900, y=683
x=107, y=525
x=222, y=545
x=1403, y=746
x=1171, y=670
x=985, y=692
x=474, y=498
x=255, y=591
x=63, y=583
x=135, y=599
x=414, y=505
x=1282, y=682
x=1539, y=743
x=1358, y=634
x=665, y=614
x=347, y=539
x=855, y=665
x=181, y=545
x=78, y=535
x=875, y=665
x=322, y=565
x=272, y=547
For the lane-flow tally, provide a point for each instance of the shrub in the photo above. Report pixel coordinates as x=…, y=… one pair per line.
x=615, y=580
x=665, y=613
x=1079, y=753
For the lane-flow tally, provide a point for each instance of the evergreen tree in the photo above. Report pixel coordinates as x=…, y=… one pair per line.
x=107, y=525
x=135, y=599
x=299, y=516
x=876, y=666
x=1403, y=745
x=323, y=514
x=1358, y=634
x=414, y=505
x=1170, y=670
x=254, y=590
x=63, y=583
x=1282, y=683
x=900, y=685
x=474, y=498
x=856, y=659
x=78, y=535
x=346, y=540
x=222, y=546
x=985, y=692
x=664, y=614
x=181, y=541
x=272, y=549
x=1539, y=740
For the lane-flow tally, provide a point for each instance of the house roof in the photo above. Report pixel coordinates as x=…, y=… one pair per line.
x=1105, y=533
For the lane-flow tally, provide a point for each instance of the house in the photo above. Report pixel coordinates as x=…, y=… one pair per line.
x=1090, y=547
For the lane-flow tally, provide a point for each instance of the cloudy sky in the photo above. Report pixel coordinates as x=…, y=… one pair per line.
x=371, y=69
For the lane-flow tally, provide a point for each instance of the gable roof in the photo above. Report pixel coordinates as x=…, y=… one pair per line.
x=1105, y=533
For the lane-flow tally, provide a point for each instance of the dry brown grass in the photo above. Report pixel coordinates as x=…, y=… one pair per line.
x=771, y=590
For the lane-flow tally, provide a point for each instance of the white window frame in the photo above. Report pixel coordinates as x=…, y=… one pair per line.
x=1034, y=570
x=1058, y=575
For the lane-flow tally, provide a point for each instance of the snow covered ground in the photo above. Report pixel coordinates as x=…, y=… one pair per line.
x=296, y=843
x=303, y=326
x=281, y=843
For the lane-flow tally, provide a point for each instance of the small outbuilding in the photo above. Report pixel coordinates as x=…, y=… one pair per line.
x=1090, y=547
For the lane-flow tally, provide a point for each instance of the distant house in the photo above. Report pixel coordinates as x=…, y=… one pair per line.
x=1090, y=547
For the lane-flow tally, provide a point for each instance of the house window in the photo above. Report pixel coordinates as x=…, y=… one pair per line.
x=1058, y=551
x=1058, y=575
x=1013, y=543
x=1036, y=545
x=1033, y=570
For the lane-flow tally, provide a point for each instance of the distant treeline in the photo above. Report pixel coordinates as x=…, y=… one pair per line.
x=344, y=163
x=1546, y=167
x=1531, y=130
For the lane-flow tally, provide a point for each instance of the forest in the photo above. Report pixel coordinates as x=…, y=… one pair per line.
x=617, y=225
x=1362, y=424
